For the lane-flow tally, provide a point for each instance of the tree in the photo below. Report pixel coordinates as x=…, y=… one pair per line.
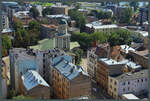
x=34, y=12
x=135, y=5
x=78, y=56
x=120, y=37
x=34, y=25
x=80, y=18
x=11, y=93
x=6, y=44
x=126, y=16
x=47, y=11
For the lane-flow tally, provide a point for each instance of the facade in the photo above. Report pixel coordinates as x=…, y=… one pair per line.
x=135, y=83
x=143, y=15
x=32, y=84
x=48, y=61
x=4, y=80
x=23, y=16
x=92, y=57
x=60, y=9
x=62, y=38
x=140, y=57
x=69, y=80
x=105, y=68
x=48, y=30
x=22, y=60
x=97, y=26
x=5, y=21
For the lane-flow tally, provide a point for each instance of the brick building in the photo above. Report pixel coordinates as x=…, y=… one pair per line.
x=4, y=80
x=69, y=80
x=60, y=9
x=22, y=60
x=106, y=67
x=140, y=57
x=32, y=84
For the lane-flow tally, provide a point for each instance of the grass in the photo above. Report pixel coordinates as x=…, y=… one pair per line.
x=21, y=97
x=45, y=4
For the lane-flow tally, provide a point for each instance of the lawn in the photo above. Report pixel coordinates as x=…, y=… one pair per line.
x=21, y=97
x=45, y=4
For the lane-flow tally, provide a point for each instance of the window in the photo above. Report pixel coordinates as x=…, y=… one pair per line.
x=145, y=79
x=123, y=89
x=142, y=80
x=128, y=83
x=128, y=88
x=110, y=86
x=138, y=80
x=115, y=83
x=123, y=83
x=114, y=89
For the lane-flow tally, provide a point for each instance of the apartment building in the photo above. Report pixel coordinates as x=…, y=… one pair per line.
x=69, y=80
x=135, y=83
x=60, y=9
x=4, y=80
x=23, y=16
x=5, y=21
x=22, y=60
x=92, y=57
x=143, y=15
x=32, y=84
x=140, y=57
x=97, y=26
x=105, y=68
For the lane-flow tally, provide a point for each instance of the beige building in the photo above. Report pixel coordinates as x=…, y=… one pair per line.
x=135, y=83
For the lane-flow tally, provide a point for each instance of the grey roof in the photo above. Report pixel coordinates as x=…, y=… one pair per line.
x=132, y=76
x=69, y=70
x=32, y=79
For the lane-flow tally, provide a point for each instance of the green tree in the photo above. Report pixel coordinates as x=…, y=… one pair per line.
x=47, y=11
x=78, y=56
x=34, y=25
x=120, y=37
x=126, y=16
x=11, y=94
x=6, y=44
x=80, y=18
x=34, y=12
x=134, y=4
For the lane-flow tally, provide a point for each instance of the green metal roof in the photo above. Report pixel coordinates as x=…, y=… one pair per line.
x=44, y=44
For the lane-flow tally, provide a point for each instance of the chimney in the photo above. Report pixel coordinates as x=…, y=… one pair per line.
x=71, y=70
